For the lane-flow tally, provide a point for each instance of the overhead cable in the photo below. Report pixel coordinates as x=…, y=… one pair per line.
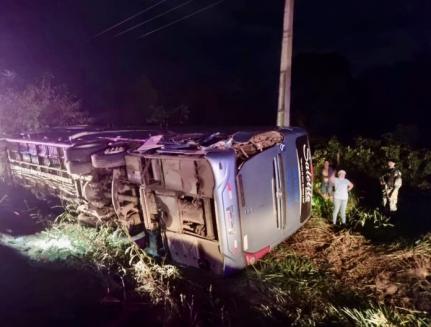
x=180, y=19
x=153, y=18
x=130, y=18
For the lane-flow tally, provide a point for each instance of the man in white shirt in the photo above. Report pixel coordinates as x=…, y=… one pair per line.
x=342, y=187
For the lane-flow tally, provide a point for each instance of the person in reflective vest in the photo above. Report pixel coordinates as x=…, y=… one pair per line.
x=391, y=182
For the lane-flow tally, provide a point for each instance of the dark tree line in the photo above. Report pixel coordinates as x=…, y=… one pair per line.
x=330, y=100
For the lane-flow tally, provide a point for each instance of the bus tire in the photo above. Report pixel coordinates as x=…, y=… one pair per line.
x=107, y=159
x=83, y=152
x=79, y=168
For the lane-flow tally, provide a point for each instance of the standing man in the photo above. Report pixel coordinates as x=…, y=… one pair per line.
x=326, y=174
x=391, y=182
x=342, y=187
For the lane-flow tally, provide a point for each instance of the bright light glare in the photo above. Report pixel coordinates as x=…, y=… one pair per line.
x=53, y=244
x=38, y=247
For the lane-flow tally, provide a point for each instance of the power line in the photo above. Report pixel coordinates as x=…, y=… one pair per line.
x=129, y=18
x=153, y=18
x=180, y=19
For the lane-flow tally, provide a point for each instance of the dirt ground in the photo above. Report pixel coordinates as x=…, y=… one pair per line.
x=394, y=274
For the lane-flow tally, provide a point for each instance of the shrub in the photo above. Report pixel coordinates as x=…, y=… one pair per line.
x=38, y=105
x=367, y=158
x=321, y=207
x=361, y=218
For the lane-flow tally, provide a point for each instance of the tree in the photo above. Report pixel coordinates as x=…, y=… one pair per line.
x=165, y=117
x=37, y=106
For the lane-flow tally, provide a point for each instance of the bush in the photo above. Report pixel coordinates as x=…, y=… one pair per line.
x=321, y=207
x=38, y=105
x=165, y=117
x=367, y=158
x=360, y=218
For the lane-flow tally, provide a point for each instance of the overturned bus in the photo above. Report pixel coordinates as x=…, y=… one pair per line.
x=218, y=201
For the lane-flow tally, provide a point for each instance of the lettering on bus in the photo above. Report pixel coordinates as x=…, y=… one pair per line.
x=307, y=181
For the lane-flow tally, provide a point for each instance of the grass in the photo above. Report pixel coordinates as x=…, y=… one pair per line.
x=295, y=290
x=106, y=251
x=321, y=276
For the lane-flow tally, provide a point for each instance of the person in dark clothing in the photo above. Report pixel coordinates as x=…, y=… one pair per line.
x=327, y=173
x=391, y=182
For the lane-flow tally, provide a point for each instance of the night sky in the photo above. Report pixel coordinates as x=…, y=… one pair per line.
x=359, y=67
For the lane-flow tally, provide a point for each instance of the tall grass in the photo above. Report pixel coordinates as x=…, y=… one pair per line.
x=322, y=276
x=107, y=251
x=300, y=286
x=380, y=316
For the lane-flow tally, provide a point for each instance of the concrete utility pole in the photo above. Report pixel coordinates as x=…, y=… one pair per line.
x=283, y=113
